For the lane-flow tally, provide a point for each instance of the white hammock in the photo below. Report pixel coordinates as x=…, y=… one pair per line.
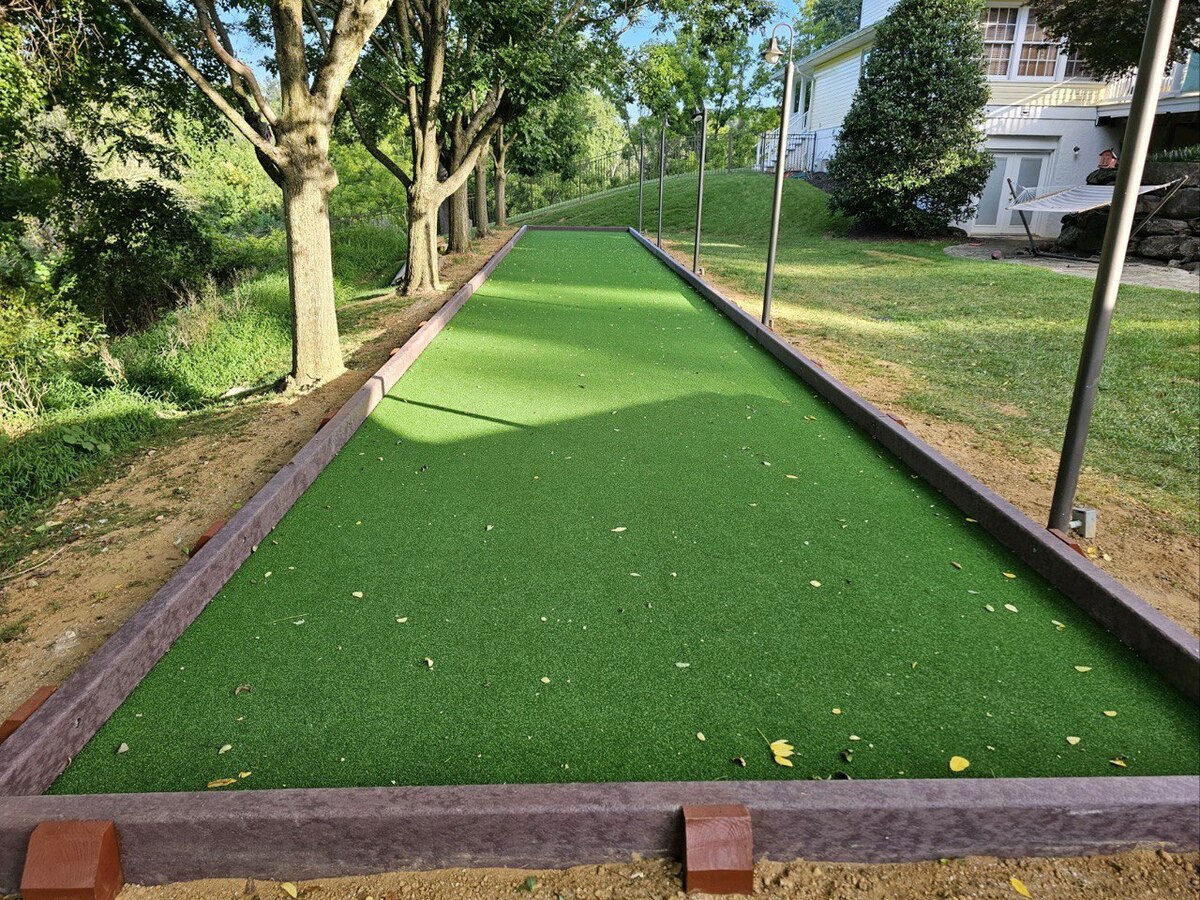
x=1079, y=198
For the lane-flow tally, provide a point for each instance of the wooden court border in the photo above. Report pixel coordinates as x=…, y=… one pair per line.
x=321, y=832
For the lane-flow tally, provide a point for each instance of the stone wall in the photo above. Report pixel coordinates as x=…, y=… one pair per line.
x=1172, y=236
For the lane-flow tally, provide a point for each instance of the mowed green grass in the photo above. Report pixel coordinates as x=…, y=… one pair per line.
x=990, y=344
x=593, y=522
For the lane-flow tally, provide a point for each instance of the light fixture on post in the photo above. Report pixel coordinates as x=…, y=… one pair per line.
x=772, y=55
x=700, y=115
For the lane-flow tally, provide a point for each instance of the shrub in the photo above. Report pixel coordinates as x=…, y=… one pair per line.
x=910, y=157
x=129, y=249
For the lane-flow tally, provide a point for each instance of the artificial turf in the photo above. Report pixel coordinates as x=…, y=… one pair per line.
x=613, y=524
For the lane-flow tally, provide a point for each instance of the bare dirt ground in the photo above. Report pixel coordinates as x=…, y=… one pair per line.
x=1132, y=875
x=124, y=539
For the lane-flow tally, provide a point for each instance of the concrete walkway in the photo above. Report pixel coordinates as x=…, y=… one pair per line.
x=1136, y=271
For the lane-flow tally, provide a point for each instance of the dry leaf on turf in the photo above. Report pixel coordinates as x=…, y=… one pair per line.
x=959, y=764
x=221, y=782
x=225, y=748
x=1083, y=668
x=1009, y=575
x=1072, y=740
x=1010, y=607
x=781, y=750
x=700, y=736
x=783, y=761
x=815, y=583
x=1120, y=762
x=124, y=748
x=619, y=529
x=1111, y=713
x=241, y=689
x=544, y=680
x=1019, y=886
x=428, y=663
x=290, y=889
x=739, y=761
x=357, y=595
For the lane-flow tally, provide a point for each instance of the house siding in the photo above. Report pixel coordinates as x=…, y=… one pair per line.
x=833, y=90
x=873, y=11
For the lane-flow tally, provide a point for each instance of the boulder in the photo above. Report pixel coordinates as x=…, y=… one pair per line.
x=1184, y=205
x=1159, y=225
x=1182, y=247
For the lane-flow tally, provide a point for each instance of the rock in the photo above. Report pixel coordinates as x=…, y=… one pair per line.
x=1168, y=247
x=1163, y=172
x=1164, y=226
x=65, y=641
x=1184, y=205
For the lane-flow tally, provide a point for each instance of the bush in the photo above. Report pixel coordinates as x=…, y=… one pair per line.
x=129, y=250
x=910, y=156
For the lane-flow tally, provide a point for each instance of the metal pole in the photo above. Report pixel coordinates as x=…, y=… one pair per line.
x=662, y=173
x=780, y=167
x=700, y=189
x=641, y=174
x=1153, y=61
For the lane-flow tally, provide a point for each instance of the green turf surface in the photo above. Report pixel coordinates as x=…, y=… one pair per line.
x=584, y=389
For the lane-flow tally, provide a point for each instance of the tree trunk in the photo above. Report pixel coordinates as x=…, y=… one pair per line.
x=316, y=352
x=460, y=222
x=421, y=274
x=481, y=206
x=501, y=198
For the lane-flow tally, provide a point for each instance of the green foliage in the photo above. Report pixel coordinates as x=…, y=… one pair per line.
x=1190, y=153
x=1108, y=36
x=910, y=156
x=821, y=22
x=129, y=250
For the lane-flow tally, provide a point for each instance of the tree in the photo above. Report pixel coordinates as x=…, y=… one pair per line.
x=292, y=144
x=821, y=22
x=1108, y=36
x=910, y=156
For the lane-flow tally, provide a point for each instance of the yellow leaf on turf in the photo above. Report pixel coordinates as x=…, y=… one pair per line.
x=225, y=748
x=544, y=680
x=1009, y=575
x=290, y=889
x=1072, y=740
x=357, y=595
x=815, y=583
x=1111, y=713
x=783, y=761
x=700, y=736
x=244, y=774
x=782, y=748
x=1083, y=668
x=1019, y=886
x=836, y=711
x=221, y=782
x=959, y=764
x=1120, y=762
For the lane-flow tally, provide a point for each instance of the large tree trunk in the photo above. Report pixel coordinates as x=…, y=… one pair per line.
x=421, y=274
x=501, y=183
x=460, y=222
x=481, y=206
x=316, y=352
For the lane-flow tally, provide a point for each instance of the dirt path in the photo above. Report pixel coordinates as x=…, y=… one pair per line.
x=123, y=540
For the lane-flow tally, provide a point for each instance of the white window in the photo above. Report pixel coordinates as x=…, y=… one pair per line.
x=1017, y=46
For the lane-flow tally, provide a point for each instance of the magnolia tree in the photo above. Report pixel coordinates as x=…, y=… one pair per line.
x=291, y=142
x=910, y=157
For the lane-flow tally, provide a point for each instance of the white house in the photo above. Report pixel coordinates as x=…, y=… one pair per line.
x=1047, y=119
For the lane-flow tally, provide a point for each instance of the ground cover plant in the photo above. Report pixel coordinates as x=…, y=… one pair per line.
x=522, y=568
x=991, y=345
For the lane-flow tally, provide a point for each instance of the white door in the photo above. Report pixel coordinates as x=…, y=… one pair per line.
x=1025, y=169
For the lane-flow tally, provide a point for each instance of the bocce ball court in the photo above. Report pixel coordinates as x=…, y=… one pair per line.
x=581, y=553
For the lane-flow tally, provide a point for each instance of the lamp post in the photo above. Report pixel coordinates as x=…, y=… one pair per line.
x=641, y=173
x=662, y=174
x=1155, y=49
x=701, y=116
x=772, y=55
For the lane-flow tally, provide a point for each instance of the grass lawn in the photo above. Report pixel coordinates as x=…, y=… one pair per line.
x=596, y=533
x=988, y=344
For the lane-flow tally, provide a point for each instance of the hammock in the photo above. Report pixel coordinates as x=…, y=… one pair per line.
x=1075, y=199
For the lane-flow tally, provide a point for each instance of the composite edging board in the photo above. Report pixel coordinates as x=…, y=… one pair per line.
x=321, y=832
x=299, y=833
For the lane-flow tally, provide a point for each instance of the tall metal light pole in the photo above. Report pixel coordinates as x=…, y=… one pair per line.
x=641, y=173
x=701, y=116
x=1153, y=61
x=772, y=55
x=662, y=174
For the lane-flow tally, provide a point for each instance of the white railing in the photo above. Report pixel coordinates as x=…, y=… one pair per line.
x=1180, y=80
